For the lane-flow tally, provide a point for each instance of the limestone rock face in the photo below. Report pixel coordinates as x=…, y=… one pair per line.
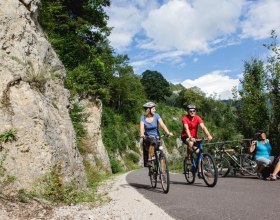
x=96, y=152
x=33, y=99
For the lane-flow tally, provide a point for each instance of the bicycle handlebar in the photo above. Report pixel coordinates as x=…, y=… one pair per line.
x=161, y=136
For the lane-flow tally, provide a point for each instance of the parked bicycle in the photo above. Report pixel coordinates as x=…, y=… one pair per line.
x=233, y=159
x=200, y=162
x=159, y=168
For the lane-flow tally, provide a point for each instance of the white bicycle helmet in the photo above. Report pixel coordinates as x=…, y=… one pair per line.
x=149, y=105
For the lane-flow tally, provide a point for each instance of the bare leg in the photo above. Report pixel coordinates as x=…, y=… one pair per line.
x=151, y=152
x=276, y=169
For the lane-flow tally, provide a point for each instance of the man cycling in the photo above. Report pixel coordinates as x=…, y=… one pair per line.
x=191, y=122
x=149, y=129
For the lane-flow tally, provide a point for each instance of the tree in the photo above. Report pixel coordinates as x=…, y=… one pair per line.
x=78, y=31
x=273, y=86
x=155, y=85
x=127, y=96
x=252, y=108
x=193, y=96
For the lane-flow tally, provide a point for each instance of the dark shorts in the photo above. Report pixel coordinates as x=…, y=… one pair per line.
x=147, y=141
x=184, y=139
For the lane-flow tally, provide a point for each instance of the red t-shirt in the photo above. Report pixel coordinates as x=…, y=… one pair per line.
x=193, y=125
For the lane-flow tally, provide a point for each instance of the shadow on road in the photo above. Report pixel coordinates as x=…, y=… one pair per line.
x=147, y=187
x=184, y=183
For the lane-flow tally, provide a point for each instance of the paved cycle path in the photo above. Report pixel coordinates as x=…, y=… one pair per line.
x=239, y=197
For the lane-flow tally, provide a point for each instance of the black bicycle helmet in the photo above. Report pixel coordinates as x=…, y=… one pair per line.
x=259, y=132
x=149, y=105
x=188, y=107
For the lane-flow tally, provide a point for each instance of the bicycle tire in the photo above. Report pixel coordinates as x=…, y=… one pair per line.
x=250, y=167
x=153, y=173
x=223, y=166
x=189, y=171
x=209, y=170
x=164, y=173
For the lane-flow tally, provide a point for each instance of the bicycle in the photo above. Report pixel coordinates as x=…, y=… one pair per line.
x=231, y=159
x=159, y=167
x=209, y=172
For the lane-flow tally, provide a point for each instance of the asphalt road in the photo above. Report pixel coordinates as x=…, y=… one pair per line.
x=236, y=197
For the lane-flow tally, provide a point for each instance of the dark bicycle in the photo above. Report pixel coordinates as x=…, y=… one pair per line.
x=235, y=160
x=203, y=161
x=159, y=168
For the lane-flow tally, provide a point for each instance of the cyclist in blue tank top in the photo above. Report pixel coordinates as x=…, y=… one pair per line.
x=149, y=129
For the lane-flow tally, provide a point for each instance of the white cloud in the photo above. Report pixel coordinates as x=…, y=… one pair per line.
x=181, y=25
x=125, y=16
x=213, y=83
x=261, y=18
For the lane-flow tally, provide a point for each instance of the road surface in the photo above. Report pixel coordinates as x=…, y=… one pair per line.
x=239, y=197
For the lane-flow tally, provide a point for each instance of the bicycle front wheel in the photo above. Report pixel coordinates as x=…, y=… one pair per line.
x=153, y=172
x=164, y=173
x=209, y=170
x=189, y=171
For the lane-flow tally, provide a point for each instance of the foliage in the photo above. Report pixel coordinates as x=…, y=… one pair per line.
x=78, y=31
x=128, y=96
x=118, y=133
x=78, y=117
x=156, y=86
x=115, y=165
x=8, y=136
x=52, y=187
x=273, y=86
x=252, y=108
x=134, y=157
x=5, y=179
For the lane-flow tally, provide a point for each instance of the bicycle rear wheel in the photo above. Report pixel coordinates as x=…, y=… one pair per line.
x=248, y=166
x=153, y=172
x=209, y=170
x=189, y=171
x=164, y=173
x=223, y=166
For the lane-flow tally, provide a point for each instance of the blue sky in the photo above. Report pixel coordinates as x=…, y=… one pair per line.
x=200, y=43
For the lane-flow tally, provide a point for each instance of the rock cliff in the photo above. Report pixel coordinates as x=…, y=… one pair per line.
x=33, y=99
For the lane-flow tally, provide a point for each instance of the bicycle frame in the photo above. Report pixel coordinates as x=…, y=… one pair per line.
x=200, y=162
x=237, y=160
x=159, y=167
x=196, y=161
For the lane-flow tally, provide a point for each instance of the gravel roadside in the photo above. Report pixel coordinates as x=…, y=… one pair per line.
x=123, y=203
x=126, y=203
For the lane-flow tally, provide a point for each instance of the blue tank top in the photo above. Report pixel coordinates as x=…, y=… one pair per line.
x=151, y=129
x=263, y=150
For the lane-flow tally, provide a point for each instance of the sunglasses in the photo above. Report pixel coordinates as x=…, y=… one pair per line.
x=192, y=111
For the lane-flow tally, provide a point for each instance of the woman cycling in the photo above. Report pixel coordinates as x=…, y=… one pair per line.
x=149, y=129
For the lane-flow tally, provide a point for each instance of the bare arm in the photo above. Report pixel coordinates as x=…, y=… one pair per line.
x=142, y=130
x=186, y=126
x=252, y=146
x=163, y=126
x=205, y=130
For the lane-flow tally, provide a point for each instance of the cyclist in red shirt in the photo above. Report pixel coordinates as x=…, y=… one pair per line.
x=191, y=122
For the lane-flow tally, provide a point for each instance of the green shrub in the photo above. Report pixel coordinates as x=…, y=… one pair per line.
x=8, y=136
x=115, y=166
x=134, y=157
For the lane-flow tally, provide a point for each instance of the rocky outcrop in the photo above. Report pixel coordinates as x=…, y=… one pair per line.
x=96, y=153
x=33, y=99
